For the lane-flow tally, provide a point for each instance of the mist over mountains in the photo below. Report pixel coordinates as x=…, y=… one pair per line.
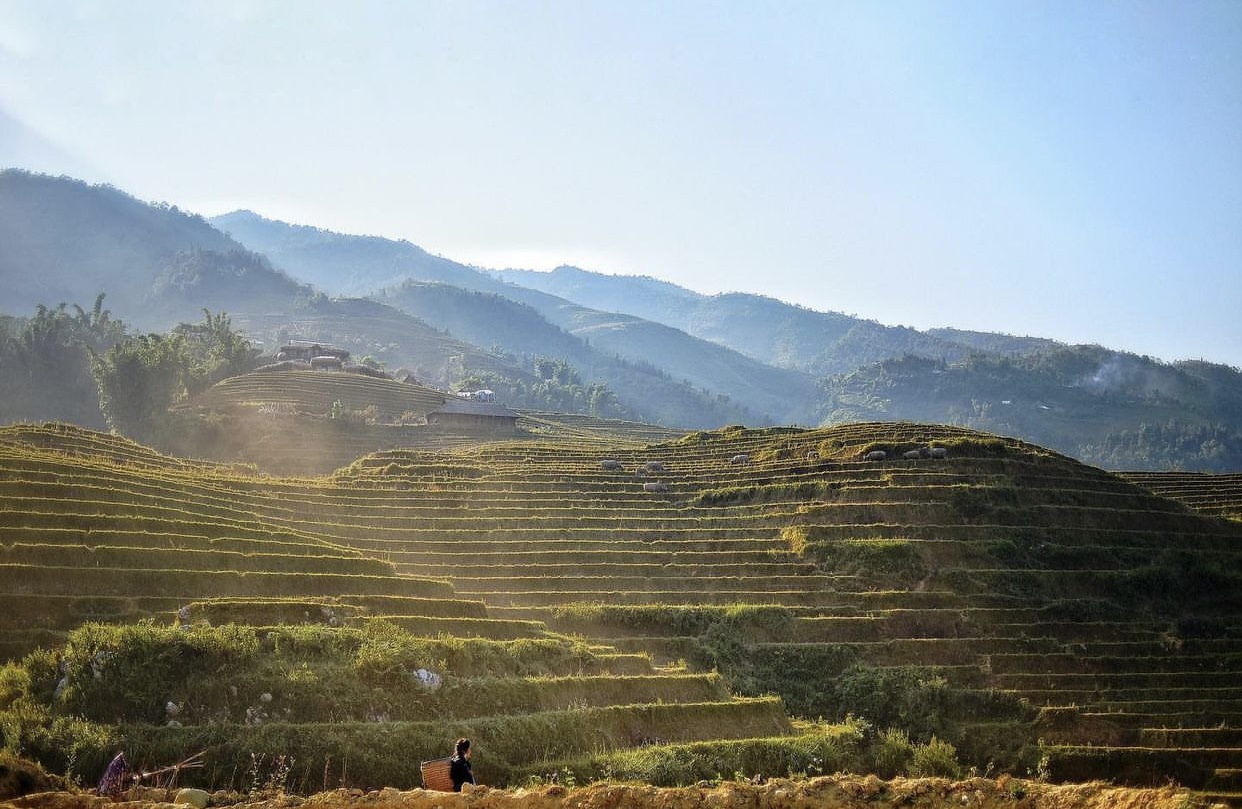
x=661, y=352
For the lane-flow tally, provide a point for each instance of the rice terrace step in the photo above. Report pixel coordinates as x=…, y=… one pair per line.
x=1032, y=611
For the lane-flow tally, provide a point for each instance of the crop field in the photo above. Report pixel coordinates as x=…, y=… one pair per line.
x=1219, y=495
x=313, y=422
x=601, y=587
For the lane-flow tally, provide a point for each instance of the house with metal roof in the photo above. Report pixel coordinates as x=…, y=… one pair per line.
x=469, y=415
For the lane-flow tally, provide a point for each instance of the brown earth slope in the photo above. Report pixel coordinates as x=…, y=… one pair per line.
x=832, y=792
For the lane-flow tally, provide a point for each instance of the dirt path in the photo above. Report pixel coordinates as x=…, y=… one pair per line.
x=834, y=792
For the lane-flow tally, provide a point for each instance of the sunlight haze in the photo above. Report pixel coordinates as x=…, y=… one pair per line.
x=1058, y=169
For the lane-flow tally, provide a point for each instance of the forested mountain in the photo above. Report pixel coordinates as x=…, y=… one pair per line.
x=1103, y=406
x=780, y=395
x=755, y=392
x=636, y=348
x=612, y=347
x=63, y=241
x=340, y=264
x=760, y=327
x=1107, y=408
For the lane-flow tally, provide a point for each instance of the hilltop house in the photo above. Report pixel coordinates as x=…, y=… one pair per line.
x=474, y=416
x=309, y=350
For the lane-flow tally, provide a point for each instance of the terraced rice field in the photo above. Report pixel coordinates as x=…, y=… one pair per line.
x=1218, y=495
x=1000, y=574
x=314, y=422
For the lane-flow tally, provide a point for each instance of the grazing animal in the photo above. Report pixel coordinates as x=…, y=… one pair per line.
x=740, y=458
x=610, y=463
x=912, y=455
x=654, y=466
x=875, y=455
x=940, y=452
x=657, y=486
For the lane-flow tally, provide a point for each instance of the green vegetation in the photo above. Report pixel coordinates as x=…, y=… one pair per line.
x=238, y=689
x=938, y=614
x=818, y=750
x=45, y=368
x=143, y=376
x=556, y=387
x=1107, y=408
x=671, y=357
x=78, y=365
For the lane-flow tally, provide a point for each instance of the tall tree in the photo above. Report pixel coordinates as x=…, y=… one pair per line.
x=214, y=351
x=139, y=379
x=45, y=370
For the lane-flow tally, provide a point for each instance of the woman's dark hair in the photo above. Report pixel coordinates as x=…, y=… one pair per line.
x=462, y=746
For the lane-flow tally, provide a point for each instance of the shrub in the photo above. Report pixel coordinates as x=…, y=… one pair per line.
x=907, y=697
x=896, y=560
x=127, y=672
x=19, y=777
x=820, y=750
x=893, y=753
x=798, y=672
x=936, y=759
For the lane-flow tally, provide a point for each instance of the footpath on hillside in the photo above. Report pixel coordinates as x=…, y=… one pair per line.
x=829, y=792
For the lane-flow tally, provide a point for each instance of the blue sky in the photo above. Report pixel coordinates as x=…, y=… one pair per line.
x=1062, y=169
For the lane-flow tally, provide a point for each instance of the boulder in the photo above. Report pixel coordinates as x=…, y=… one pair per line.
x=192, y=797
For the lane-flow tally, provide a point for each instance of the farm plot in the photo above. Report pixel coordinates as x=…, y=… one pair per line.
x=122, y=536
x=982, y=590
x=1023, y=549
x=1216, y=495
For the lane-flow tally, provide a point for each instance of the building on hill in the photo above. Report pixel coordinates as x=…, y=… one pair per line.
x=308, y=350
x=475, y=416
x=326, y=363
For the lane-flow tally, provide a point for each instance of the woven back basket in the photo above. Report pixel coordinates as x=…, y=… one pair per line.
x=436, y=775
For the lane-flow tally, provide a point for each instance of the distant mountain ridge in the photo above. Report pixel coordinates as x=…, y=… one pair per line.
x=766, y=329
x=63, y=240
x=336, y=263
x=66, y=241
x=792, y=364
x=399, y=272
x=636, y=348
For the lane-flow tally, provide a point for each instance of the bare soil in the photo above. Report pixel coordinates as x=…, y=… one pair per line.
x=832, y=792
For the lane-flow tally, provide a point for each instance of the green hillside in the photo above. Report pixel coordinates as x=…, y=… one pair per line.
x=66, y=242
x=1034, y=612
x=684, y=360
x=763, y=328
x=650, y=380
x=292, y=422
x=759, y=356
x=1116, y=410
x=640, y=360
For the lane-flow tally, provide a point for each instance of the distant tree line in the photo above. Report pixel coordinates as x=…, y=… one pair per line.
x=45, y=363
x=83, y=366
x=557, y=387
x=1108, y=408
x=1172, y=445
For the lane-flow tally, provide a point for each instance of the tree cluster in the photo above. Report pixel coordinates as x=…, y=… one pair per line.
x=45, y=368
x=557, y=387
x=83, y=366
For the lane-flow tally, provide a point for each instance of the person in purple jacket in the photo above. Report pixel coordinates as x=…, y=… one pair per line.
x=115, y=778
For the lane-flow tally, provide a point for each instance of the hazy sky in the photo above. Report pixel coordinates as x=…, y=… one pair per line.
x=1064, y=169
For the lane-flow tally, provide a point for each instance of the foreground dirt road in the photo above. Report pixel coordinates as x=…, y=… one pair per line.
x=832, y=792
